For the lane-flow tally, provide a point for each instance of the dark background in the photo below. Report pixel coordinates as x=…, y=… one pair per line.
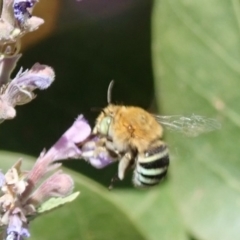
x=92, y=43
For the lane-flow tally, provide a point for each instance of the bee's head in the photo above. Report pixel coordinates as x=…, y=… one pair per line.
x=104, y=120
x=103, y=125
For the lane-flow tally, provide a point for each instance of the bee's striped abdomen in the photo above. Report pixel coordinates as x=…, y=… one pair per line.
x=152, y=167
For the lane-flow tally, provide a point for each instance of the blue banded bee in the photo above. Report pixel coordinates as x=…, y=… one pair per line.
x=134, y=136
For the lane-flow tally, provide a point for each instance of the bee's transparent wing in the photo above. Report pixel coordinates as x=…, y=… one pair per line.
x=191, y=126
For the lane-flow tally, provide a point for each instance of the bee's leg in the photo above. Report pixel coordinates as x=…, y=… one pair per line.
x=124, y=163
x=98, y=156
x=113, y=180
x=110, y=146
x=90, y=149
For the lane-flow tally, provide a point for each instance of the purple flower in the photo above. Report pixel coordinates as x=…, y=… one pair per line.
x=21, y=196
x=78, y=143
x=96, y=154
x=16, y=21
x=2, y=179
x=24, y=194
x=7, y=65
x=66, y=146
x=16, y=228
x=57, y=185
x=20, y=9
x=20, y=90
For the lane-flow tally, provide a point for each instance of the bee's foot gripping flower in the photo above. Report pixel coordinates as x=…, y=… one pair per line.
x=97, y=154
x=77, y=142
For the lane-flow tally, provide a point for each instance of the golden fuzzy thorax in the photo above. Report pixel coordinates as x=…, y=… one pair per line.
x=131, y=127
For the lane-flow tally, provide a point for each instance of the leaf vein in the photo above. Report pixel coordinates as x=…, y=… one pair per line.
x=213, y=45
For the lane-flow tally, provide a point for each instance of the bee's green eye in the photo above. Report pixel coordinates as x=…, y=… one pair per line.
x=104, y=125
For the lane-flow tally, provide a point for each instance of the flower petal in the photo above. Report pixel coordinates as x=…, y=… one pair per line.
x=101, y=161
x=21, y=10
x=20, y=89
x=15, y=224
x=16, y=228
x=6, y=110
x=6, y=30
x=97, y=156
x=17, y=20
x=7, y=12
x=66, y=146
x=7, y=65
x=39, y=76
x=33, y=23
x=39, y=170
x=57, y=185
x=2, y=179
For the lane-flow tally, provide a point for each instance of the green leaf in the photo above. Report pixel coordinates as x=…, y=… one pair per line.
x=93, y=215
x=196, y=59
x=153, y=211
x=54, y=203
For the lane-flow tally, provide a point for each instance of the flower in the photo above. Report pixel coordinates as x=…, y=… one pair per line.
x=96, y=154
x=21, y=196
x=77, y=142
x=19, y=91
x=17, y=229
x=24, y=194
x=2, y=179
x=66, y=147
x=20, y=10
x=17, y=20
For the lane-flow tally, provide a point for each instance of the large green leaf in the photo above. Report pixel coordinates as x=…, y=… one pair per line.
x=196, y=58
x=153, y=211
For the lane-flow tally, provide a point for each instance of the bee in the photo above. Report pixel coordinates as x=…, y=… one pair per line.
x=134, y=137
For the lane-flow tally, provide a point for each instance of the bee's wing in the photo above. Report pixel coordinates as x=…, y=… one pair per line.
x=191, y=126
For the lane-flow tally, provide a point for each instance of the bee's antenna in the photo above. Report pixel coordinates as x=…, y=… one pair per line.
x=109, y=92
